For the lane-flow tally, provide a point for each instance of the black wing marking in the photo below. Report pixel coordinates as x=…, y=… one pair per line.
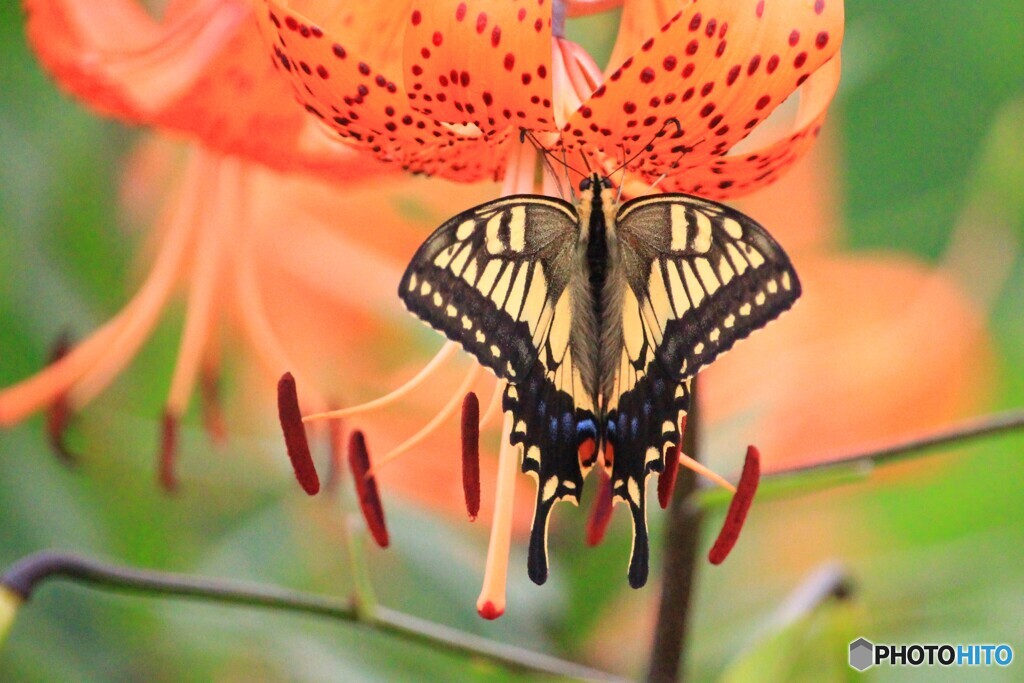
x=700, y=276
x=495, y=279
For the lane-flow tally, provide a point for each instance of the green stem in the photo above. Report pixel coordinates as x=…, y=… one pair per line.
x=24, y=577
x=679, y=576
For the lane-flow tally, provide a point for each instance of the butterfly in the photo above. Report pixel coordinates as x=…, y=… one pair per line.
x=597, y=315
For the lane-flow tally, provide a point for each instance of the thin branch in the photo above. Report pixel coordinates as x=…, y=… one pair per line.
x=857, y=466
x=965, y=431
x=28, y=573
x=682, y=538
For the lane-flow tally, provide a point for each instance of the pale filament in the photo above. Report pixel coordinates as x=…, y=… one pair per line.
x=253, y=316
x=689, y=463
x=519, y=173
x=446, y=352
x=56, y=379
x=446, y=412
x=494, y=405
x=138, y=327
x=492, y=593
x=203, y=290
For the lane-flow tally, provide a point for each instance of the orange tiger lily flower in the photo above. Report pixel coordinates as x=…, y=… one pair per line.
x=470, y=75
x=199, y=73
x=457, y=86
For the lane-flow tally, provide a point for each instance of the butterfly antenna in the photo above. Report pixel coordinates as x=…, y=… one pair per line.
x=525, y=135
x=685, y=150
x=661, y=131
x=565, y=163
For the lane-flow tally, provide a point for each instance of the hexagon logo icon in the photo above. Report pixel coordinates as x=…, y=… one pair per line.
x=862, y=654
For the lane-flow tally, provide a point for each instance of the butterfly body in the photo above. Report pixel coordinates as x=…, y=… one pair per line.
x=597, y=314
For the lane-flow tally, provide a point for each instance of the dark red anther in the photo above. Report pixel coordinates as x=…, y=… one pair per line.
x=213, y=414
x=58, y=414
x=738, y=508
x=667, y=479
x=295, y=434
x=471, y=454
x=601, y=512
x=168, y=450
x=366, y=488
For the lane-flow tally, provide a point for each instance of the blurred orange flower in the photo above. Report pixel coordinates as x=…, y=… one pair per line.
x=199, y=74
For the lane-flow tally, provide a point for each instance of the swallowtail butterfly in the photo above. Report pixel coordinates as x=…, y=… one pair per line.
x=597, y=315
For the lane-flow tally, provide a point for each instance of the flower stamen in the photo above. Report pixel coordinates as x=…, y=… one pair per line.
x=447, y=411
x=601, y=512
x=366, y=488
x=168, y=450
x=471, y=454
x=446, y=352
x=295, y=434
x=58, y=415
x=491, y=603
x=667, y=479
x=494, y=405
x=738, y=508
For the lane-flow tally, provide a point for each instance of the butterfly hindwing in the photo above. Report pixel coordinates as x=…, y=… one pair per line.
x=699, y=276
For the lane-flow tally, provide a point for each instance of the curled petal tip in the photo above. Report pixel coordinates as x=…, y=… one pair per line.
x=295, y=434
x=601, y=512
x=488, y=610
x=471, y=454
x=366, y=488
x=168, y=451
x=738, y=508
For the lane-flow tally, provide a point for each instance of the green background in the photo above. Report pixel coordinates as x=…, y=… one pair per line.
x=930, y=114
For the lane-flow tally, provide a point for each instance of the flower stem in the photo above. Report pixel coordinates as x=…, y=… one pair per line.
x=27, y=574
x=682, y=536
x=965, y=431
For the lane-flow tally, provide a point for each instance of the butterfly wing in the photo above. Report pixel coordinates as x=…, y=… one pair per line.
x=496, y=279
x=699, y=276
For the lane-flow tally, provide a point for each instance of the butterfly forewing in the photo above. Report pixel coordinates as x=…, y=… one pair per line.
x=703, y=276
x=491, y=279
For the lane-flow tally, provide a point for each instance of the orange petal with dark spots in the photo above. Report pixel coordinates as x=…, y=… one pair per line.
x=295, y=434
x=168, y=451
x=471, y=454
x=480, y=62
x=716, y=66
x=366, y=488
x=338, y=80
x=738, y=508
x=601, y=511
x=733, y=175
